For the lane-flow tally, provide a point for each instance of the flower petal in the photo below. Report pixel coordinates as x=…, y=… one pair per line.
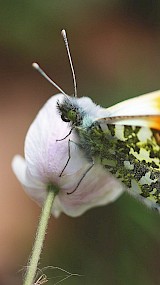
x=34, y=189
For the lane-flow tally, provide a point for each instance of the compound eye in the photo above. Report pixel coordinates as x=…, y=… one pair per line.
x=64, y=118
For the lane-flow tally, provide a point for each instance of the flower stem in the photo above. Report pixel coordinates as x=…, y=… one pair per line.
x=40, y=235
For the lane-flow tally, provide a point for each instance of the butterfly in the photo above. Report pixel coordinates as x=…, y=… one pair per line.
x=124, y=139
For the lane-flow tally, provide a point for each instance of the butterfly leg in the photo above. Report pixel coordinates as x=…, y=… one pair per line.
x=88, y=169
x=65, y=136
x=69, y=157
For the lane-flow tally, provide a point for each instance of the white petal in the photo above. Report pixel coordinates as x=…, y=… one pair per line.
x=34, y=189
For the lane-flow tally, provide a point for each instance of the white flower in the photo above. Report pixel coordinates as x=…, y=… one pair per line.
x=45, y=158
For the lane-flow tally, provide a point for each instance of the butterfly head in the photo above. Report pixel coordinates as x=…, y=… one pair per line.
x=70, y=112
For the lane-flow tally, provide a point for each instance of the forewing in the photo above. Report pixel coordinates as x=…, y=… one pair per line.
x=147, y=104
x=150, y=121
x=143, y=110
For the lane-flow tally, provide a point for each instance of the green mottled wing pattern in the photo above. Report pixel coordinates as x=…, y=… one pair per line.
x=130, y=153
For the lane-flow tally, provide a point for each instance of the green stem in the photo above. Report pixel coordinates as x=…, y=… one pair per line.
x=40, y=236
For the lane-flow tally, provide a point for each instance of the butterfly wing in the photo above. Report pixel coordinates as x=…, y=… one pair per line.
x=150, y=121
x=132, y=155
x=147, y=104
x=131, y=139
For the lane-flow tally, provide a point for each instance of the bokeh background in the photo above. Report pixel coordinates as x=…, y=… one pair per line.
x=115, y=46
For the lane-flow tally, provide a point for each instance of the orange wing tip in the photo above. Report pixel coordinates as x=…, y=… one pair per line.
x=154, y=122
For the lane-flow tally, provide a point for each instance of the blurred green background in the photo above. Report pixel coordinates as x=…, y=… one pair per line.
x=115, y=47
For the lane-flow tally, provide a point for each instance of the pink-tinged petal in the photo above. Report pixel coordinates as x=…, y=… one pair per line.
x=34, y=189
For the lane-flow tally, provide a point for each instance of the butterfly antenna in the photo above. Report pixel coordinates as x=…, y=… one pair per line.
x=64, y=35
x=37, y=67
